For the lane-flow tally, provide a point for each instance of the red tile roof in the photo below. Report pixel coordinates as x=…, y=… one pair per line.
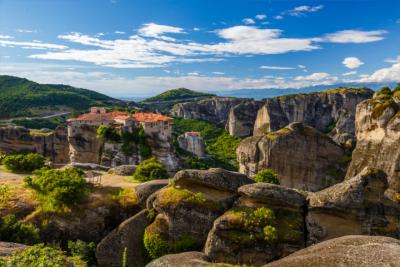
x=95, y=117
x=150, y=117
x=110, y=116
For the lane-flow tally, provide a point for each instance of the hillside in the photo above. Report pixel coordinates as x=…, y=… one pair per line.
x=177, y=94
x=21, y=97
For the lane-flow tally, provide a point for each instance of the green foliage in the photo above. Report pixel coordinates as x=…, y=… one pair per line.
x=108, y=133
x=58, y=188
x=177, y=94
x=124, y=257
x=220, y=146
x=144, y=148
x=266, y=176
x=83, y=250
x=42, y=256
x=21, y=97
x=385, y=91
x=155, y=245
x=24, y=162
x=12, y=230
x=270, y=233
x=330, y=126
x=185, y=243
x=5, y=193
x=150, y=169
x=39, y=123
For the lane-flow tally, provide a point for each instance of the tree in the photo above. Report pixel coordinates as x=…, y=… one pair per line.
x=86, y=251
x=266, y=176
x=150, y=169
x=12, y=230
x=57, y=188
x=108, y=133
x=24, y=162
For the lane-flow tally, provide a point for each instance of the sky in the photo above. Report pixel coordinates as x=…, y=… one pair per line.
x=129, y=48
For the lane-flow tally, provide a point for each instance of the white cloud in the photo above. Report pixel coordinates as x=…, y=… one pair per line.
x=6, y=37
x=261, y=16
x=301, y=66
x=354, y=36
x=31, y=45
x=119, y=32
x=156, y=31
x=390, y=74
x=278, y=17
x=196, y=29
x=25, y=30
x=352, y=62
x=391, y=60
x=349, y=73
x=276, y=68
x=194, y=73
x=322, y=77
x=302, y=10
x=218, y=72
x=248, y=21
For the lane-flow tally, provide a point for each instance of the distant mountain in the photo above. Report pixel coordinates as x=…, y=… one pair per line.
x=176, y=94
x=259, y=94
x=21, y=97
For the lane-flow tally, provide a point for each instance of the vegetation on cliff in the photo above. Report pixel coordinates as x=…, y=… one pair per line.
x=150, y=169
x=266, y=176
x=177, y=94
x=385, y=98
x=21, y=97
x=24, y=162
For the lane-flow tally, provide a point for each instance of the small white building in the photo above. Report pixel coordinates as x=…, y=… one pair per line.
x=192, y=142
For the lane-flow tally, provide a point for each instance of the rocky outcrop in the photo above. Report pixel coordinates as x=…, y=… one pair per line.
x=184, y=259
x=215, y=109
x=112, y=155
x=84, y=145
x=163, y=149
x=347, y=251
x=123, y=170
x=330, y=111
x=128, y=239
x=355, y=206
x=303, y=157
x=144, y=190
x=8, y=248
x=378, y=139
x=186, y=209
x=266, y=223
x=51, y=144
x=242, y=117
x=193, y=143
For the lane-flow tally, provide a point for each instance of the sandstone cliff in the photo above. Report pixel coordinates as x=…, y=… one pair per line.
x=378, y=138
x=303, y=157
x=52, y=144
x=84, y=145
x=330, y=111
x=242, y=117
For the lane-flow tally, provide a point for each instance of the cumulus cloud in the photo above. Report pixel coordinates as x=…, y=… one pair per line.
x=319, y=77
x=156, y=31
x=349, y=73
x=390, y=74
x=352, y=62
x=354, y=36
x=6, y=37
x=303, y=10
x=218, y=72
x=248, y=21
x=31, y=45
x=276, y=68
x=261, y=16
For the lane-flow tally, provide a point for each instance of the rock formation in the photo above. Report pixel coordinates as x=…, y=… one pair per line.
x=347, y=251
x=184, y=259
x=355, y=206
x=378, y=138
x=84, y=145
x=51, y=144
x=330, y=111
x=303, y=157
x=242, y=117
x=193, y=143
x=8, y=248
x=266, y=223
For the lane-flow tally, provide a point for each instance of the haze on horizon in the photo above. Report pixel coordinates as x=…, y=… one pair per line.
x=140, y=48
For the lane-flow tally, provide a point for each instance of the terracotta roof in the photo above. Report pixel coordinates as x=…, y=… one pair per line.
x=122, y=117
x=95, y=117
x=150, y=117
x=117, y=113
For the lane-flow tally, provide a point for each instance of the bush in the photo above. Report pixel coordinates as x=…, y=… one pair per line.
x=86, y=251
x=58, y=187
x=108, y=133
x=4, y=193
x=24, y=162
x=266, y=176
x=155, y=245
x=150, y=169
x=12, y=230
x=42, y=256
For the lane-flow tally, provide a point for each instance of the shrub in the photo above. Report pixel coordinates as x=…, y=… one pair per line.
x=4, y=193
x=12, y=230
x=150, y=169
x=155, y=245
x=266, y=176
x=39, y=255
x=86, y=251
x=24, y=162
x=108, y=133
x=270, y=233
x=144, y=151
x=58, y=187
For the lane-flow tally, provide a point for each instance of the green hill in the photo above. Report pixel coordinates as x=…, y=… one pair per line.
x=21, y=97
x=176, y=94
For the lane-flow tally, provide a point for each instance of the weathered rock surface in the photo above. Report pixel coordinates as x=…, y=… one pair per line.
x=84, y=145
x=242, y=117
x=330, y=111
x=303, y=157
x=184, y=259
x=164, y=151
x=144, y=190
x=112, y=155
x=8, y=248
x=266, y=223
x=53, y=145
x=186, y=209
x=123, y=170
x=129, y=236
x=193, y=143
x=215, y=109
x=355, y=206
x=378, y=139
x=347, y=251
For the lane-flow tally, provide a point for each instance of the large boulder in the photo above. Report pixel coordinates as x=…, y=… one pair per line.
x=303, y=157
x=354, y=207
x=123, y=170
x=144, y=190
x=266, y=223
x=126, y=239
x=8, y=248
x=184, y=259
x=346, y=251
x=378, y=139
x=188, y=207
x=242, y=117
x=330, y=111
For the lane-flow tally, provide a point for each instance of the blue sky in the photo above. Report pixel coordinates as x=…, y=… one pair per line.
x=139, y=48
